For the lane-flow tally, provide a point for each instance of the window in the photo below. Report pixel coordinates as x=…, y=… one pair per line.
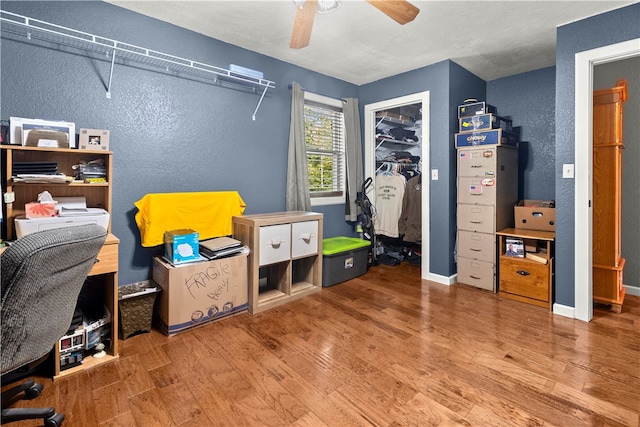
x=324, y=138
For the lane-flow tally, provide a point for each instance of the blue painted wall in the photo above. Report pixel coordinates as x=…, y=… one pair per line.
x=171, y=134
x=168, y=134
x=529, y=100
x=601, y=30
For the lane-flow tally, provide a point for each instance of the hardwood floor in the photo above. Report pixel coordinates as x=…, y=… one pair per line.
x=385, y=349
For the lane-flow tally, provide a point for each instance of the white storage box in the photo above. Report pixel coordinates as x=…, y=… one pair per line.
x=26, y=226
x=64, y=133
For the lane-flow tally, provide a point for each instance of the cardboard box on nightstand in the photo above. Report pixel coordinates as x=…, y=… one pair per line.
x=198, y=293
x=535, y=215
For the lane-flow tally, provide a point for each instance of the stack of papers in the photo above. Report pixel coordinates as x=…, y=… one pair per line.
x=220, y=247
x=43, y=178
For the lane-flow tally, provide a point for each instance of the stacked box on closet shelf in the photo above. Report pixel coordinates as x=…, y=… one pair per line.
x=487, y=162
x=480, y=125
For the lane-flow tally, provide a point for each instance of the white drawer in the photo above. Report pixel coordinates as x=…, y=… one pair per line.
x=480, y=274
x=275, y=243
x=477, y=190
x=476, y=218
x=304, y=238
x=480, y=246
x=477, y=162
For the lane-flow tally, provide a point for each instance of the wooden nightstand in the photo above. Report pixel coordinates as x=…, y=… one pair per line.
x=527, y=279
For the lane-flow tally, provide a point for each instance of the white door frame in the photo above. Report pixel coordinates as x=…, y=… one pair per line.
x=370, y=161
x=584, y=64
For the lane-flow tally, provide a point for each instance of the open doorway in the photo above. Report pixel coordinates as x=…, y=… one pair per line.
x=400, y=125
x=585, y=63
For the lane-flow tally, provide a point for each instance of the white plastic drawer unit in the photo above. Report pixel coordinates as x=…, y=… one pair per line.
x=304, y=239
x=275, y=243
x=476, y=218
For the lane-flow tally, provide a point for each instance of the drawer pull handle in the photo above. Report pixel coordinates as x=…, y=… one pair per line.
x=474, y=277
x=476, y=166
x=475, y=249
x=522, y=272
x=276, y=242
x=306, y=237
x=475, y=222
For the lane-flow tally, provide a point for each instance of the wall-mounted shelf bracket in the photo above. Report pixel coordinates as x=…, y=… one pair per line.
x=101, y=47
x=113, y=61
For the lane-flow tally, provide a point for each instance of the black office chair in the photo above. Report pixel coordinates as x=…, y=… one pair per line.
x=42, y=275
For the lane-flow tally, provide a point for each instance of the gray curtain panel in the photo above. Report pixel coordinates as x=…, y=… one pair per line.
x=297, y=197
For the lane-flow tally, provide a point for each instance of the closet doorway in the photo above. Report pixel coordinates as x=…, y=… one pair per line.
x=585, y=63
x=400, y=127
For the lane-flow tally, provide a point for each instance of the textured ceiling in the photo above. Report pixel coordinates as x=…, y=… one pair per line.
x=358, y=44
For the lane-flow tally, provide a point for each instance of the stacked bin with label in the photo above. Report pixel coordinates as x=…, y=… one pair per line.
x=487, y=165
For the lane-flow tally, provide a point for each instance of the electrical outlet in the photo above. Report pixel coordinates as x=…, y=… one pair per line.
x=434, y=174
x=567, y=170
x=9, y=197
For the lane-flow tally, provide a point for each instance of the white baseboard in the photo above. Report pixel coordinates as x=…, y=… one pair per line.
x=564, y=310
x=632, y=290
x=443, y=280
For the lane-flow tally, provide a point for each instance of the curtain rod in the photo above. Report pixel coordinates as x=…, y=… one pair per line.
x=321, y=94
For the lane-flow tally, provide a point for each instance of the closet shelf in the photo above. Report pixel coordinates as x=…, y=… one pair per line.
x=106, y=49
x=395, y=141
x=390, y=120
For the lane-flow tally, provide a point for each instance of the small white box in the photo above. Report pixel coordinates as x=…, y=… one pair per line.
x=26, y=226
x=245, y=72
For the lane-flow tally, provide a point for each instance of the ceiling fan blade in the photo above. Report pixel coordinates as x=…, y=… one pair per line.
x=400, y=11
x=302, y=24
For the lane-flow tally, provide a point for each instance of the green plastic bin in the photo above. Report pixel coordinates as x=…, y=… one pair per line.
x=343, y=258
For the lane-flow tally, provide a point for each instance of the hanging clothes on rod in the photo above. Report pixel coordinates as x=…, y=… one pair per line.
x=389, y=190
x=410, y=222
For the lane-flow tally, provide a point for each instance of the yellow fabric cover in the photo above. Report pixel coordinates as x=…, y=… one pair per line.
x=208, y=213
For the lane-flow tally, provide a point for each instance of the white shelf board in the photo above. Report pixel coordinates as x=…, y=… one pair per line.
x=111, y=50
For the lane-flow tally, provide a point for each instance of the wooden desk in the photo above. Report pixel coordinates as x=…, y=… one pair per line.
x=107, y=268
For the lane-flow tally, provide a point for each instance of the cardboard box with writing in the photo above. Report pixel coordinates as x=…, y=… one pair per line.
x=535, y=215
x=197, y=293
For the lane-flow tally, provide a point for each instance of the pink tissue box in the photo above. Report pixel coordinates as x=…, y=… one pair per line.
x=39, y=210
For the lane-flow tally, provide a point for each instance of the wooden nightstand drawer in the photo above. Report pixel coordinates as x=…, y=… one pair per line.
x=525, y=278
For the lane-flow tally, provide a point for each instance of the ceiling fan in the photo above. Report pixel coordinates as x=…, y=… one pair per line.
x=400, y=11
